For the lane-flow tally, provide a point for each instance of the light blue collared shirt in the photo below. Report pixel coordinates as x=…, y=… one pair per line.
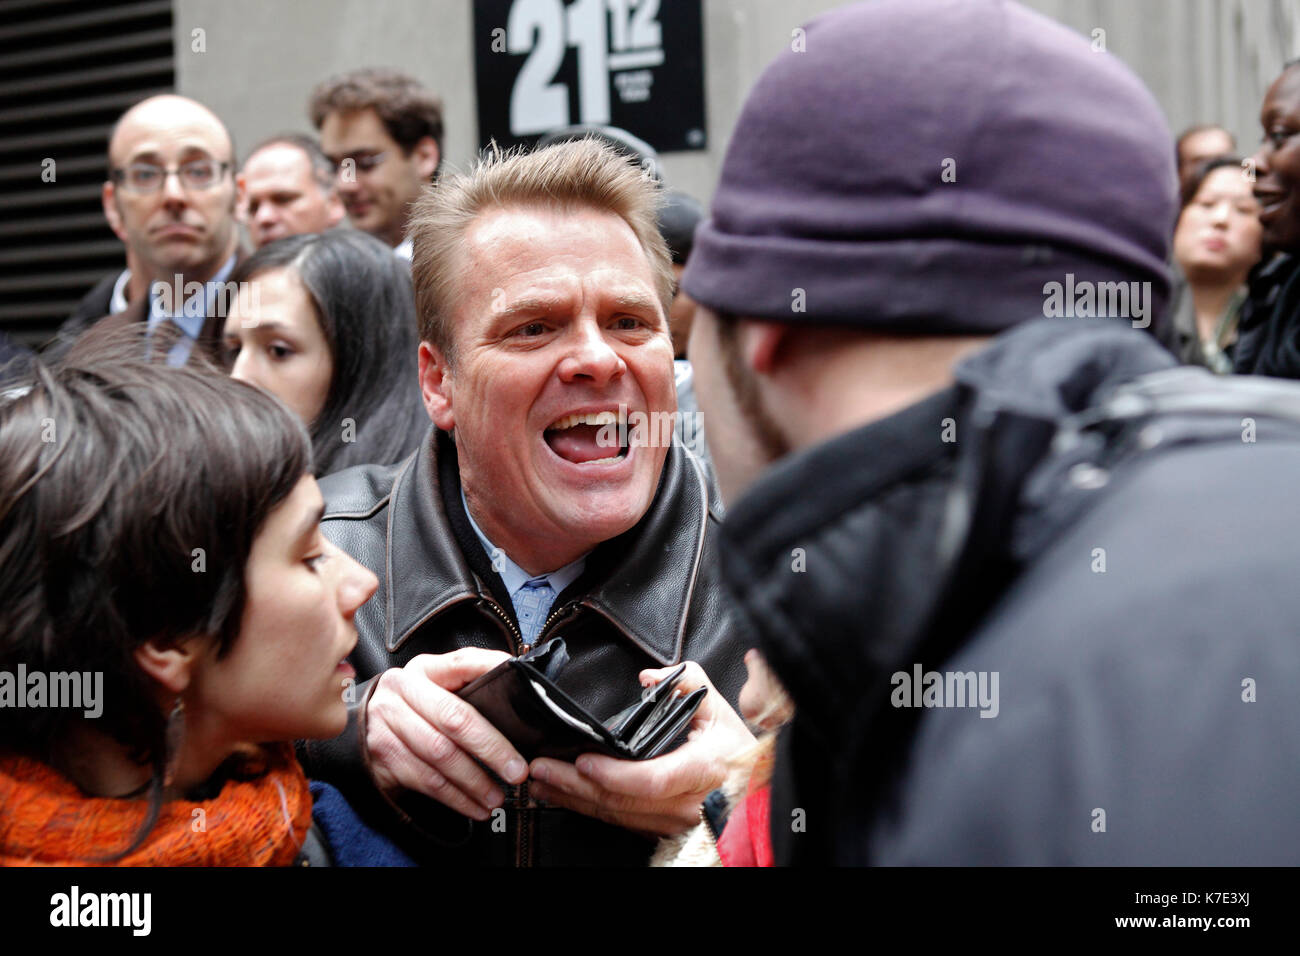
x=530, y=613
x=117, y=301
x=189, y=319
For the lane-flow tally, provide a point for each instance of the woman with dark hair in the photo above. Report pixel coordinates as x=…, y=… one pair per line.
x=1216, y=242
x=327, y=323
x=171, y=618
x=1269, y=339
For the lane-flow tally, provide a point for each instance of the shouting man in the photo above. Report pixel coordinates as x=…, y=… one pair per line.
x=543, y=288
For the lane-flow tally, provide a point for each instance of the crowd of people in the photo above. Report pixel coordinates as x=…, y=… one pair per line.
x=961, y=575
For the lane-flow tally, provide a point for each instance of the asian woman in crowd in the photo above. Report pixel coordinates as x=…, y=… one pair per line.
x=1216, y=242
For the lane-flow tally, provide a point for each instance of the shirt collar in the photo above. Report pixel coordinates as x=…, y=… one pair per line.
x=194, y=312
x=512, y=575
x=117, y=301
x=644, y=587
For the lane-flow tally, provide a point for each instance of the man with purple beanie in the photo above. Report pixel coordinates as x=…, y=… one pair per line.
x=964, y=481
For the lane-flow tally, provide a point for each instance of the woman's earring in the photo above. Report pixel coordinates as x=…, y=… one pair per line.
x=174, y=736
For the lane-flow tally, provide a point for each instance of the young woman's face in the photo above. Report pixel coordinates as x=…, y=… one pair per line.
x=1219, y=231
x=285, y=677
x=273, y=339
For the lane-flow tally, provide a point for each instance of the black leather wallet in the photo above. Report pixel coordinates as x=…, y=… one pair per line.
x=521, y=700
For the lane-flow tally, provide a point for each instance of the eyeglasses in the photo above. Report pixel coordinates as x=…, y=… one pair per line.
x=146, y=178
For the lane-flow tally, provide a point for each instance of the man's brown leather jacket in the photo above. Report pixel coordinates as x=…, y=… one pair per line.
x=648, y=598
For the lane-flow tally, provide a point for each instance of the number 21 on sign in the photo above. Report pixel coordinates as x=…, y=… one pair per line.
x=540, y=28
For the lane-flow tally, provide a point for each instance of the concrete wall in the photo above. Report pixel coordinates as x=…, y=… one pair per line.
x=1205, y=60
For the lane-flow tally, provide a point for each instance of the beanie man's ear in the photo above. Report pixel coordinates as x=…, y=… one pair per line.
x=763, y=344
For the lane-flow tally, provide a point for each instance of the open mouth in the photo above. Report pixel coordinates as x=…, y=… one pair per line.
x=589, y=438
x=344, y=665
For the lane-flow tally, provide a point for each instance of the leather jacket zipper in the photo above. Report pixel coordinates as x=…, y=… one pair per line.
x=525, y=851
x=514, y=640
x=523, y=814
x=569, y=610
x=524, y=843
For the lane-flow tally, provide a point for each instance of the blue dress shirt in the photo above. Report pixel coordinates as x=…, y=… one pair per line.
x=531, y=596
x=189, y=319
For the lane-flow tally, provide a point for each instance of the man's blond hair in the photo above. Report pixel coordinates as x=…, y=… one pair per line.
x=584, y=174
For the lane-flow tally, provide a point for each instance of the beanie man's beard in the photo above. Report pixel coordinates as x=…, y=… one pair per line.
x=744, y=386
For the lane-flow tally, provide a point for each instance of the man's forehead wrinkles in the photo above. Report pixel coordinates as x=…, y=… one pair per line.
x=632, y=299
x=608, y=287
x=524, y=292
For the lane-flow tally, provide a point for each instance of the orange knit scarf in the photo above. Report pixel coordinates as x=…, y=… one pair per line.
x=45, y=820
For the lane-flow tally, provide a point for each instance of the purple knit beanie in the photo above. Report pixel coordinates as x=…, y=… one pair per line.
x=930, y=166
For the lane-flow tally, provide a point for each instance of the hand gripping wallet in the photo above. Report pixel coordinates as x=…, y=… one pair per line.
x=521, y=700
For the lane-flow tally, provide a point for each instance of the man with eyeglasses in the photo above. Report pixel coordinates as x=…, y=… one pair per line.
x=170, y=198
x=382, y=131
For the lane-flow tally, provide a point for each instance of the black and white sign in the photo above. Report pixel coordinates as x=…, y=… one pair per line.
x=635, y=64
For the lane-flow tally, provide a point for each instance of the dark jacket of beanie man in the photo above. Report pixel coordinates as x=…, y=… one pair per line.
x=1050, y=545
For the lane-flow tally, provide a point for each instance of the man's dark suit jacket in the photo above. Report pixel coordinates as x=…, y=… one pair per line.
x=82, y=321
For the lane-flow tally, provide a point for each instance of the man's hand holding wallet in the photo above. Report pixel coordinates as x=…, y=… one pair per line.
x=521, y=699
x=659, y=796
x=420, y=736
x=424, y=734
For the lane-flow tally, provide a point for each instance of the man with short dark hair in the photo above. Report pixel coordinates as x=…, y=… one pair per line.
x=382, y=130
x=171, y=198
x=551, y=501
x=1008, y=637
x=286, y=188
